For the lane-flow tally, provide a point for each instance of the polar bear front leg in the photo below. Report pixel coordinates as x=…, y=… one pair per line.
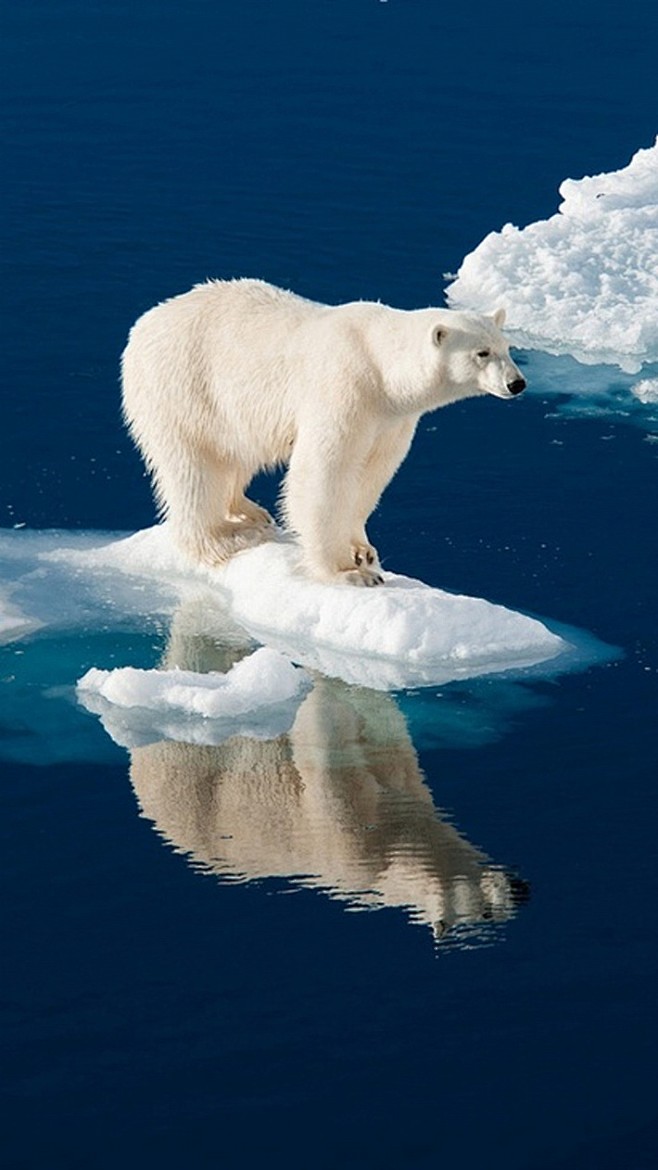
x=388, y=451
x=320, y=490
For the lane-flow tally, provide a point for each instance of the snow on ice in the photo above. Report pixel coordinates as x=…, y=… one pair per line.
x=258, y=697
x=585, y=281
x=403, y=634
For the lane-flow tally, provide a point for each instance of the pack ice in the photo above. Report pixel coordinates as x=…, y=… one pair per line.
x=584, y=281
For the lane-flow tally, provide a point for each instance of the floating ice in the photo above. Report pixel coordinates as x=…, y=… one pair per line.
x=583, y=282
x=404, y=634
x=14, y=624
x=646, y=390
x=92, y=600
x=187, y=703
x=263, y=678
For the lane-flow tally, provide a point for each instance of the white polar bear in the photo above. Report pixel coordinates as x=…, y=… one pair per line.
x=237, y=376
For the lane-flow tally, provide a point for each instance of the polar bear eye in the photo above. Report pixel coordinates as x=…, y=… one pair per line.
x=484, y=353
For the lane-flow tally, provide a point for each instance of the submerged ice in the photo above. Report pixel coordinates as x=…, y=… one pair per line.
x=584, y=281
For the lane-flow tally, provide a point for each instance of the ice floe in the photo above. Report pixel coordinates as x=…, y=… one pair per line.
x=14, y=624
x=262, y=678
x=403, y=634
x=584, y=281
x=141, y=626
x=646, y=390
x=257, y=697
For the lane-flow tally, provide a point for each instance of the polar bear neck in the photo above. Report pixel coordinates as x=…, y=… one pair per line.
x=400, y=346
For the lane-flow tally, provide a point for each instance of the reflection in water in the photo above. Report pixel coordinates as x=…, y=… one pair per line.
x=337, y=803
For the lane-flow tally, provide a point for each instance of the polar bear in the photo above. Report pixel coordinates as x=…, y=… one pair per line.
x=238, y=376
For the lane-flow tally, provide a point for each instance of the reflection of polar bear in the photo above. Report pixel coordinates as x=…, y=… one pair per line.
x=339, y=803
x=236, y=376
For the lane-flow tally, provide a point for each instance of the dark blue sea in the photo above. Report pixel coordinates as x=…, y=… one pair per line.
x=176, y=990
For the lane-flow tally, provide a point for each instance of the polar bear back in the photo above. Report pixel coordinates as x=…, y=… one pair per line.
x=242, y=359
x=249, y=339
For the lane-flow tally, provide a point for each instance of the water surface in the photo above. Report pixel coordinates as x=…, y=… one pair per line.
x=187, y=980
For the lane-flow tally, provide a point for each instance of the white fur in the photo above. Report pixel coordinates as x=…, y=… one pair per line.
x=236, y=376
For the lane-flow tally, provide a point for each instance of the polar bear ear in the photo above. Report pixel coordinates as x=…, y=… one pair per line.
x=439, y=335
x=499, y=318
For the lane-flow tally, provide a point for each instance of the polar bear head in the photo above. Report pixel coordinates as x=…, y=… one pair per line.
x=431, y=357
x=471, y=356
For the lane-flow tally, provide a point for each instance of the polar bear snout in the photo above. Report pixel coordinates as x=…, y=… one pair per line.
x=517, y=386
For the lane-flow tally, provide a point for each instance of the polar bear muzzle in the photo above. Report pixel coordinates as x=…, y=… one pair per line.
x=517, y=386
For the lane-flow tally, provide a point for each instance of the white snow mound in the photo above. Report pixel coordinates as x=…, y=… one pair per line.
x=583, y=282
x=646, y=391
x=401, y=634
x=262, y=679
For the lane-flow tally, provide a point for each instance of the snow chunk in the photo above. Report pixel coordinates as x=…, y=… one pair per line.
x=258, y=697
x=583, y=282
x=646, y=391
x=264, y=678
x=406, y=622
x=403, y=634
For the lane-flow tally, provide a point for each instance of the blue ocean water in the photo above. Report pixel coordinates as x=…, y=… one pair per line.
x=163, y=1001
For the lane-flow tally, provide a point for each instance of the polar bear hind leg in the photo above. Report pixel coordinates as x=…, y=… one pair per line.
x=209, y=516
x=245, y=511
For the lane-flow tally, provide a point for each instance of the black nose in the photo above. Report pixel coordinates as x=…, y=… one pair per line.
x=516, y=386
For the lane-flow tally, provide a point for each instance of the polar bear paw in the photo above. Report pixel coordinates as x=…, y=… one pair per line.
x=365, y=556
x=368, y=569
x=362, y=576
x=246, y=512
